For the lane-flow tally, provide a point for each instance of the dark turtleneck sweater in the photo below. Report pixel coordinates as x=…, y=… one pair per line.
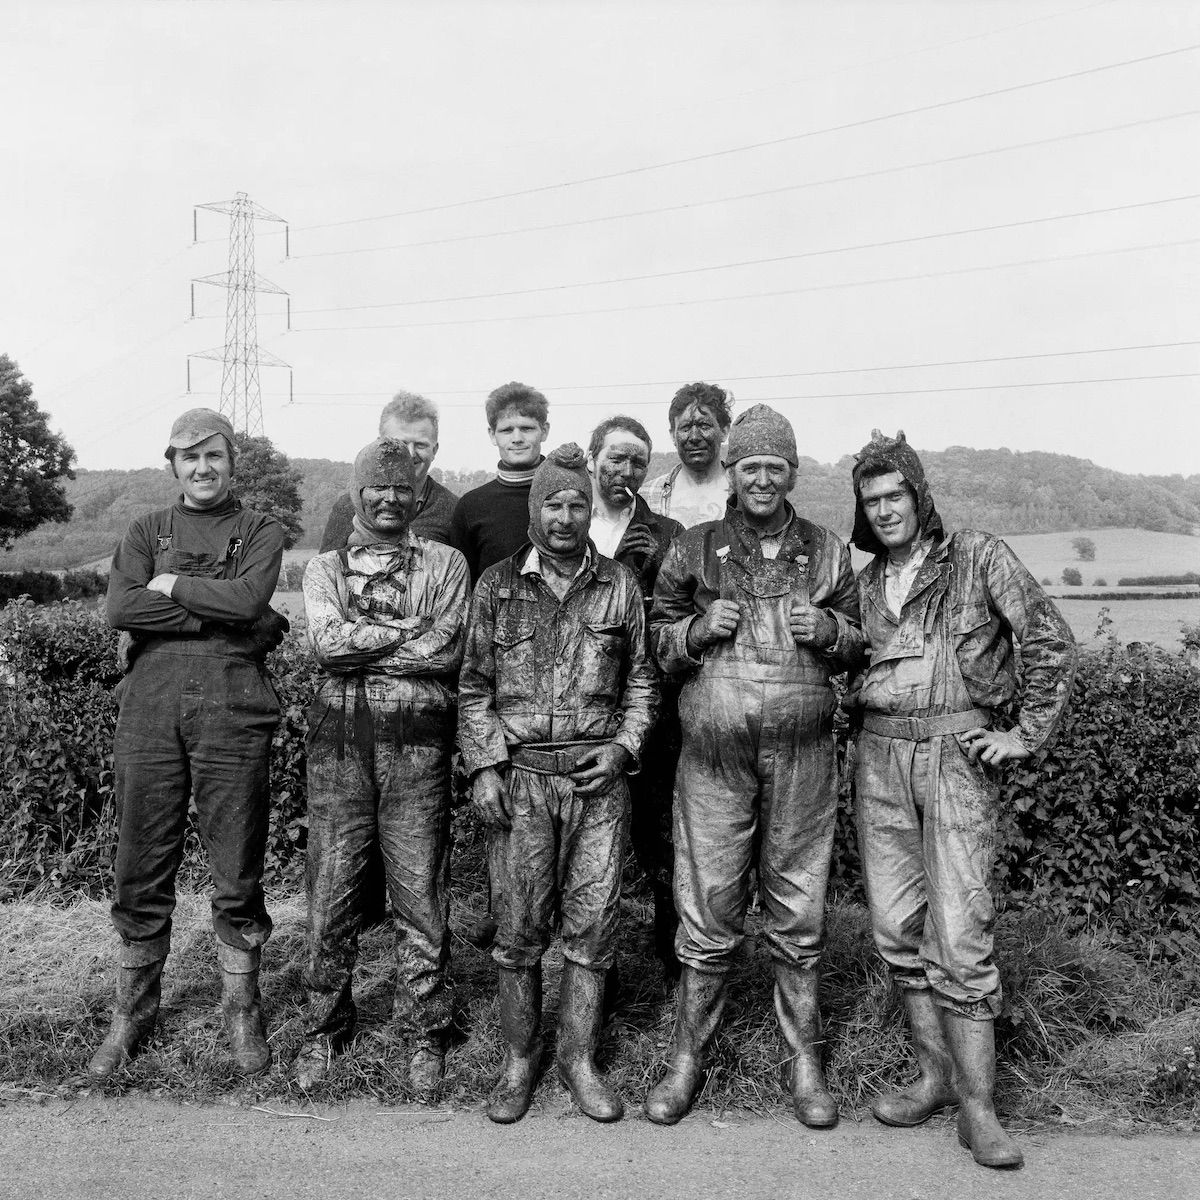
x=491, y=522
x=241, y=598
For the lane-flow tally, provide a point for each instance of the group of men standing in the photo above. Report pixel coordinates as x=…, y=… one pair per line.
x=601, y=649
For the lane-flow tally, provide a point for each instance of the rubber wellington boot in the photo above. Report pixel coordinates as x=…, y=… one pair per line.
x=701, y=999
x=799, y=1016
x=241, y=1006
x=580, y=1005
x=426, y=1069
x=933, y=1088
x=520, y=1026
x=973, y=1047
x=135, y=1012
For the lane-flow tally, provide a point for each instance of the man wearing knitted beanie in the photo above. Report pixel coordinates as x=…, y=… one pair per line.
x=386, y=618
x=755, y=612
x=556, y=696
x=940, y=615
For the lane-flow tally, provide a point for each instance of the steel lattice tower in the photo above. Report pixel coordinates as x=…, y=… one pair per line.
x=241, y=395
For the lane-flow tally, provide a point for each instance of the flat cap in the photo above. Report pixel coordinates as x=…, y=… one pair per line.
x=196, y=425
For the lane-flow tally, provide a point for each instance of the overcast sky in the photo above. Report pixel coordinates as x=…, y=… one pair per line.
x=821, y=176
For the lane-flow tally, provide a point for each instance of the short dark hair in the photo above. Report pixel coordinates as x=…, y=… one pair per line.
x=629, y=424
x=528, y=401
x=877, y=470
x=408, y=406
x=718, y=400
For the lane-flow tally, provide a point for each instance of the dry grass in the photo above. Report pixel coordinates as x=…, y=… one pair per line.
x=1090, y=1037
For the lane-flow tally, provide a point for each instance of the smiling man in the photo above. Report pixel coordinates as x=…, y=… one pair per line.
x=940, y=615
x=192, y=585
x=556, y=696
x=386, y=622
x=755, y=612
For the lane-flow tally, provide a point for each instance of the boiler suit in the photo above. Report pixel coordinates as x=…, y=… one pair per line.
x=197, y=713
x=543, y=680
x=757, y=774
x=387, y=629
x=927, y=815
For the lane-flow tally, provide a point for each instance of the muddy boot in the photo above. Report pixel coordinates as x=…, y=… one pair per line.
x=579, y=1019
x=800, y=1020
x=139, y=988
x=314, y=1061
x=426, y=1069
x=241, y=1008
x=973, y=1048
x=520, y=1024
x=701, y=997
x=933, y=1088
x=666, y=923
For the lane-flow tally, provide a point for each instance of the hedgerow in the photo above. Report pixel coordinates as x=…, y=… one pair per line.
x=1101, y=826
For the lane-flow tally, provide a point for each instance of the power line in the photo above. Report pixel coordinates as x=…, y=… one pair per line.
x=730, y=377
x=675, y=162
x=755, y=195
x=824, y=287
x=982, y=387
x=751, y=262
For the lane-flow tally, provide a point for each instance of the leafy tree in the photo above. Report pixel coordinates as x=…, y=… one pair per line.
x=1071, y=577
x=1085, y=548
x=32, y=460
x=266, y=481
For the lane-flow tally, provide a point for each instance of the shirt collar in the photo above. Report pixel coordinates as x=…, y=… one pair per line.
x=533, y=561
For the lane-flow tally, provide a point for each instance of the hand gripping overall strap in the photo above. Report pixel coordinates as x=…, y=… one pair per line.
x=918, y=729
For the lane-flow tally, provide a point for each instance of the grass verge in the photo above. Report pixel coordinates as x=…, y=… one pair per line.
x=1091, y=1036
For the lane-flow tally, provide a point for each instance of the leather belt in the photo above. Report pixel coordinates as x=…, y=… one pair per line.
x=917, y=729
x=561, y=760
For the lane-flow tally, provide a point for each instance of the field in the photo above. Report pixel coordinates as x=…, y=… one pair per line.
x=1119, y=553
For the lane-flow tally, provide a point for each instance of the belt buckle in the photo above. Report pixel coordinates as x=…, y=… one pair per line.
x=915, y=733
x=562, y=762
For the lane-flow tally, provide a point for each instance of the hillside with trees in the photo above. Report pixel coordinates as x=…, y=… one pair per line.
x=1001, y=491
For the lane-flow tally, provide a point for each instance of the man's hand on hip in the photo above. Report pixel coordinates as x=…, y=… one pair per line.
x=993, y=746
x=489, y=796
x=597, y=770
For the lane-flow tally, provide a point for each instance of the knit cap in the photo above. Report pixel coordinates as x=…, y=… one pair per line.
x=382, y=463
x=563, y=468
x=761, y=430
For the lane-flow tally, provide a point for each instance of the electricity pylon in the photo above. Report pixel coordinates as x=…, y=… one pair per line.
x=241, y=395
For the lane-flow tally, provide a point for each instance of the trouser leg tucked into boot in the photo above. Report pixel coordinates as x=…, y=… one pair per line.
x=139, y=988
x=520, y=1025
x=580, y=1006
x=933, y=1088
x=701, y=998
x=241, y=1006
x=796, y=1006
x=973, y=1047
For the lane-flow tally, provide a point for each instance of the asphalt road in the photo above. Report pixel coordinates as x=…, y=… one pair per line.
x=99, y=1148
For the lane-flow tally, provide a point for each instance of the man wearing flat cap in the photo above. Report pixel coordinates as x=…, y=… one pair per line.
x=940, y=614
x=556, y=696
x=386, y=620
x=190, y=589
x=755, y=612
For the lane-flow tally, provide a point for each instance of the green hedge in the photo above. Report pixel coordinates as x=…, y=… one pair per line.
x=1100, y=826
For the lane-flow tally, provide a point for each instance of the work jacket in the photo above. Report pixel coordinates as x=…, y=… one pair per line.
x=972, y=589
x=537, y=670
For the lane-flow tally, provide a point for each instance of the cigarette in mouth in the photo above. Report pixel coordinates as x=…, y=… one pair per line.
x=628, y=492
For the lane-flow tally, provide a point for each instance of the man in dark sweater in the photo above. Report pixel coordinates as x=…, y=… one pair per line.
x=413, y=420
x=492, y=522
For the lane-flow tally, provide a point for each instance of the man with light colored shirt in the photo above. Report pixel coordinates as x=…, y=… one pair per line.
x=624, y=528
x=386, y=619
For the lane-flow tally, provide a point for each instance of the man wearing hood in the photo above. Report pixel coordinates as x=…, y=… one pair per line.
x=386, y=622
x=755, y=612
x=556, y=696
x=940, y=614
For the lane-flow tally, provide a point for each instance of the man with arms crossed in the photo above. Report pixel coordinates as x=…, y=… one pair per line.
x=386, y=621
x=756, y=611
x=556, y=696
x=940, y=614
